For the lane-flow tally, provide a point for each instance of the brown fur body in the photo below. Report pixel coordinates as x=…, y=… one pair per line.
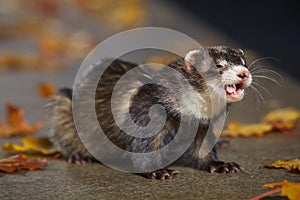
x=64, y=135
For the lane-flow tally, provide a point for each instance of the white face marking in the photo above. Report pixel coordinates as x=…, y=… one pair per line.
x=230, y=77
x=243, y=61
x=223, y=62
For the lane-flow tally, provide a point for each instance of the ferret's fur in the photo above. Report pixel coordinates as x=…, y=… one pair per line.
x=220, y=64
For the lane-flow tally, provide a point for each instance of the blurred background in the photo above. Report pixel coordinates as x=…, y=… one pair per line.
x=270, y=28
x=43, y=40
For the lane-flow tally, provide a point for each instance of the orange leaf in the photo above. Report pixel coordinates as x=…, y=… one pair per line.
x=289, y=189
x=283, y=119
x=21, y=161
x=118, y=15
x=21, y=61
x=236, y=129
x=293, y=165
x=16, y=123
x=75, y=45
x=46, y=90
x=50, y=44
x=162, y=59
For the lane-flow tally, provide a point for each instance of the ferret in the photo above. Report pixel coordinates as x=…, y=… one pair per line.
x=209, y=71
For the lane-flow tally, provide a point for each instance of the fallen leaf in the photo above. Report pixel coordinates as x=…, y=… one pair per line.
x=282, y=119
x=128, y=14
x=32, y=145
x=117, y=15
x=65, y=43
x=289, y=189
x=236, y=129
x=162, y=59
x=21, y=61
x=42, y=7
x=46, y=90
x=21, y=161
x=293, y=165
x=15, y=122
x=50, y=44
x=78, y=44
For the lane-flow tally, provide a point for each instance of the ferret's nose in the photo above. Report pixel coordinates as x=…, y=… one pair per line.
x=243, y=75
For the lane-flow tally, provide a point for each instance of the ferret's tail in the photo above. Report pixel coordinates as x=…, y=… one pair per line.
x=62, y=131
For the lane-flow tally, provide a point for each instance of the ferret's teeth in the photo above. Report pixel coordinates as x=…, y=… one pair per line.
x=230, y=89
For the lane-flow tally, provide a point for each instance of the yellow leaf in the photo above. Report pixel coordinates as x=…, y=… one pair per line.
x=236, y=129
x=33, y=145
x=284, y=119
x=293, y=165
x=289, y=189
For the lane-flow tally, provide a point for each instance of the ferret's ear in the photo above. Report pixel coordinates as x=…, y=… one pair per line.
x=192, y=58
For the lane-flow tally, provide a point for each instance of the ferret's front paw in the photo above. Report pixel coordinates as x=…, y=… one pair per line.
x=77, y=158
x=161, y=174
x=224, y=167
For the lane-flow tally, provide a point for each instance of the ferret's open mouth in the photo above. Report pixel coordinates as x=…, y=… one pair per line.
x=235, y=91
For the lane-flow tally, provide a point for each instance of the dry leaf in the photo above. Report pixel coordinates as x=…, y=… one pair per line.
x=21, y=161
x=289, y=189
x=50, y=45
x=128, y=14
x=118, y=15
x=21, y=61
x=16, y=123
x=162, y=59
x=64, y=43
x=293, y=165
x=283, y=119
x=236, y=129
x=32, y=145
x=42, y=7
x=46, y=90
x=13, y=60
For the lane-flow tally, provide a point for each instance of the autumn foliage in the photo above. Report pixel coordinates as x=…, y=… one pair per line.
x=16, y=123
x=46, y=89
x=277, y=120
x=21, y=161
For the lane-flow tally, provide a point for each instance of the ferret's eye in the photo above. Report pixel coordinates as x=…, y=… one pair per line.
x=219, y=66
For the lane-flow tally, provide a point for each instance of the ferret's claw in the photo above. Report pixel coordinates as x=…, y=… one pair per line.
x=162, y=174
x=224, y=167
x=79, y=159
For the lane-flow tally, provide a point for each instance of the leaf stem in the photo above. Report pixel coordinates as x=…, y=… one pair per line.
x=266, y=194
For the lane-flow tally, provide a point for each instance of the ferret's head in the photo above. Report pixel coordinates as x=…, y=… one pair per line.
x=228, y=64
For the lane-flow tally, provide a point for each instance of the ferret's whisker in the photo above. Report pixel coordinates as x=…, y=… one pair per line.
x=258, y=93
x=266, y=71
x=256, y=83
x=262, y=59
x=265, y=77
